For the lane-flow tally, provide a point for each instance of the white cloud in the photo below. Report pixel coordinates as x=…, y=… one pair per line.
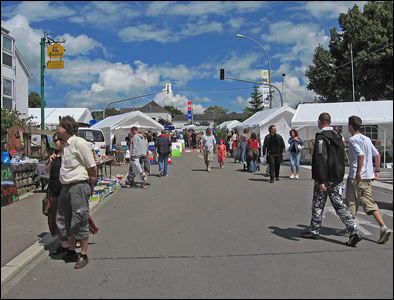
x=240, y=103
x=80, y=45
x=37, y=11
x=328, y=9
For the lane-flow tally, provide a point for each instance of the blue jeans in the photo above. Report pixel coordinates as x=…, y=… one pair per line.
x=163, y=158
x=243, y=150
x=253, y=164
x=295, y=161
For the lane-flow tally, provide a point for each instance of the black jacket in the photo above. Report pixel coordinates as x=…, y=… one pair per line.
x=273, y=145
x=163, y=144
x=328, y=160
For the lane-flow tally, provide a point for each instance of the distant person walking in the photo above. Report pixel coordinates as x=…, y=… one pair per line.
x=137, y=152
x=163, y=147
x=274, y=150
x=221, y=153
x=295, y=153
x=328, y=169
x=253, y=146
x=208, y=147
x=78, y=175
x=361, y=175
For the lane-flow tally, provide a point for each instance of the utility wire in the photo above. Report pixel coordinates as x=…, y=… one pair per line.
x=357, y=59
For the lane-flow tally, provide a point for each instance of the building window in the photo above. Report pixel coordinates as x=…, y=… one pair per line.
x=7, y=43
x=7, y=103
x=7, y=87
x=370, y=131
x=7, y=59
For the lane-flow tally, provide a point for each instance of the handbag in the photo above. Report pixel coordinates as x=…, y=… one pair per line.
x=300, y=147
x=45, y=204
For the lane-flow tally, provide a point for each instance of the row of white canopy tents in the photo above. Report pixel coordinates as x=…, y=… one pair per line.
x=120, y=125
x=53, y=115
x=378, y=114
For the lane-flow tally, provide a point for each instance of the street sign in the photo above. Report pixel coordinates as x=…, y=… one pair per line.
x=55, y=64
x=55, y=51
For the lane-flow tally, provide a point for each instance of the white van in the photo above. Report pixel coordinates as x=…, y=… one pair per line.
x=94, y=137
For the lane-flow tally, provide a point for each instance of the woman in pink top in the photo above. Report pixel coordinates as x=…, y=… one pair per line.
x=221, y=153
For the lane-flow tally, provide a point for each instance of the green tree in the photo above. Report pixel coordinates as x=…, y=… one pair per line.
x=370, y=35
x=35, y=100
x=257, y=102
x=216, y=109
x=98, y=114
x=173, y=110
x=11, y=118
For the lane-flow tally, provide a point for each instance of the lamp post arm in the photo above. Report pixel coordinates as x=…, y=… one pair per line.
x=281, y=99
x=140, y=96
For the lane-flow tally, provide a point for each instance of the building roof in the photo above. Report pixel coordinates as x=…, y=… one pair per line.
x=151, y=107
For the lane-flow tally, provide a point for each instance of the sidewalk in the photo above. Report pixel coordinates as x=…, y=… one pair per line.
x=24, y=230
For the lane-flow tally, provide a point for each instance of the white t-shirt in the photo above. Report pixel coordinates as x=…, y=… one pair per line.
x=208, y=142
x=360, y=144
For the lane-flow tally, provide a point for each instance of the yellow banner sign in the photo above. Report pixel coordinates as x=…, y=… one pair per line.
x=55, y=51
x=55, y=64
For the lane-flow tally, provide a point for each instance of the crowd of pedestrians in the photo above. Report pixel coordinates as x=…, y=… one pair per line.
x=73, y=172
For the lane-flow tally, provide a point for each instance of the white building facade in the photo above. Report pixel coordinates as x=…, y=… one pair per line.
x=14, y=76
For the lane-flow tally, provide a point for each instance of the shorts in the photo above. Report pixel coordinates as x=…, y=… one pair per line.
x=73, y=211
x=360, y=193
x=208, y=155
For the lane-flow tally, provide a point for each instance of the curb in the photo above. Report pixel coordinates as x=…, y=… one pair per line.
x=10, y=269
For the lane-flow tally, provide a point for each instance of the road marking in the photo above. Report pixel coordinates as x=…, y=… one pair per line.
x=361, y=221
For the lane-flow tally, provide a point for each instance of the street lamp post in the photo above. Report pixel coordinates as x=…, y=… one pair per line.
x=191, y=95
x=269, y=63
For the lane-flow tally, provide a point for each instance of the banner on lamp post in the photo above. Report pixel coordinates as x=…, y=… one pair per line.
x=189, y=110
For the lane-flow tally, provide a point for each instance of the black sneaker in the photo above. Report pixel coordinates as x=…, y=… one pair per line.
x=277, y=178
x=71, y=256
x=354, y=239
x=310, y=235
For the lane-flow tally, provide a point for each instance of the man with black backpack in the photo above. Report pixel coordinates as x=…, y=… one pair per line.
x=328, y=169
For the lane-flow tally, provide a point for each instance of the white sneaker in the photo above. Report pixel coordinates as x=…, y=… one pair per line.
x=292, y=176
x=384, y=236
x=297, y=177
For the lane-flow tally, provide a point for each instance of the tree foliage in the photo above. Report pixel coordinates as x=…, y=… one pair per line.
x=257, y=102
x=35, y=100
x=173, y=110
x=370, y=35
x=98, y=115
x=216, y=109
x=11, y=118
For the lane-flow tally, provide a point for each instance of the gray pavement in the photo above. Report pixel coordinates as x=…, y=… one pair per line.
x=25, y=236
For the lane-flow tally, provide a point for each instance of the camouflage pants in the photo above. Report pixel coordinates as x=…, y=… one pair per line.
x=133, y=173
x=334, y=192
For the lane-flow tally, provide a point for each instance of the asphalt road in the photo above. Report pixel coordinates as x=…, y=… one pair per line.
x=223, y=234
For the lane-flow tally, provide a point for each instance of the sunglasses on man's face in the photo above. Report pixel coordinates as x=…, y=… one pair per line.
x=55, y=140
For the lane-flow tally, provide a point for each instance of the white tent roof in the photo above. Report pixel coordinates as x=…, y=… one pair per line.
x=119, y=125
x=81, y=115
x=262, y=117
x=229, y=124
x=370, y=112
x=128, y=120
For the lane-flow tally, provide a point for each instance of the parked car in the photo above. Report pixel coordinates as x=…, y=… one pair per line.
x=94, y=137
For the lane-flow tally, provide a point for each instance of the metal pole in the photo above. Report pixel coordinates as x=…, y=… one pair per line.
x=125, y=99
x=191, y=95
x=351, y=58
x=280, y=94
x=42, y=82
x=269, y=63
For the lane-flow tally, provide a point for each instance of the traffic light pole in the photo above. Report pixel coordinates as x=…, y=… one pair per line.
x=125, y=99
x=281, y=99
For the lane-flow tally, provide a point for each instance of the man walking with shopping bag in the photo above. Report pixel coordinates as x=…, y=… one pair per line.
x=137, y=153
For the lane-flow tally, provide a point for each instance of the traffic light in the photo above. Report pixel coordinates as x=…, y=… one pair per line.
x=221, y=74
x=168, y=88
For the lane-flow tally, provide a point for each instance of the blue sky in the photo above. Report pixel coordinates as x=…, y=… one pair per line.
x=123, y=49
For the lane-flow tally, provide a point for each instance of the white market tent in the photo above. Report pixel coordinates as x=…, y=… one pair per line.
x=262, y=120
x=51, y=118
x=120, y=125
x=188, y=127
x=229, y=124
x=372, y=113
